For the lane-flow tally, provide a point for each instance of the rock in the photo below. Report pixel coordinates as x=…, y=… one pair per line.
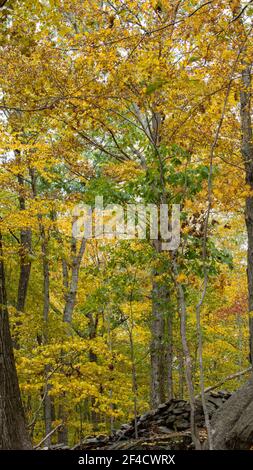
x=171, y=416
x=187, y=408
x=102, y=437
x=125, y=426
x=145, y=417
x=177, y=411
x=215, y=401
x=170, y=420
x=160, y=421
x=163, y=406
x=58, y=447
x=182, y=425
x=163, y=429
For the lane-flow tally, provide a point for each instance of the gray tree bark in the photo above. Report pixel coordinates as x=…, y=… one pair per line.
x=73, y=283
x=169, y=353
x=247, y=153
x=70, y=298
x=157, y=353
x=233, y=423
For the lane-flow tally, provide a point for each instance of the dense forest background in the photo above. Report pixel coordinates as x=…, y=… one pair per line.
x=137, y=101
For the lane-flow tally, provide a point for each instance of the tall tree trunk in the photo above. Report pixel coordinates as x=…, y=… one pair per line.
x=24, y=252
x=247, y=152
x=25, y=269
x=46, y=286
x=130, y=327
x=63, y=430
x=160, y=293
x=13, y=431
x=48, y=405
x=169, y=352
x=73, y=283
x=70, y=299
x=157, y=346
x=92, y=328
x=181, y=374
x=233, y=424
x=161, y=348
x=187, y=355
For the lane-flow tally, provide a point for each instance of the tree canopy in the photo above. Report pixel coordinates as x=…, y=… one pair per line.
x=141, y=102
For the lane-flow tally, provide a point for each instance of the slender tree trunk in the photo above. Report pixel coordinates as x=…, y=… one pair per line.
x=187, y=357
x=47, y=412
x=70, y=299
x=169, y=352
x=48, y=407
x=181, y=375
x=25, y=268
x=134, y=381
x=93, y=322
x=133, y=367
x=24, y=252
x=110, y=345
x=63, y=431
x=46, y=291
x=46, y=277
x=13, y=431
x=157, y=346
x=247, y=152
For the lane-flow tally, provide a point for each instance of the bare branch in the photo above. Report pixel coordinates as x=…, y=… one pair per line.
x=242, y=11
x=226, y=379
x=48, y=435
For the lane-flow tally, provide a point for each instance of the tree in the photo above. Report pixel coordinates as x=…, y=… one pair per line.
x=14, y=433
x=138, y=103
x=233, y=426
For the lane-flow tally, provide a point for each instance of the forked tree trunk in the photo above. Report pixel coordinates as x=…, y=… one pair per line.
x=13, y=432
